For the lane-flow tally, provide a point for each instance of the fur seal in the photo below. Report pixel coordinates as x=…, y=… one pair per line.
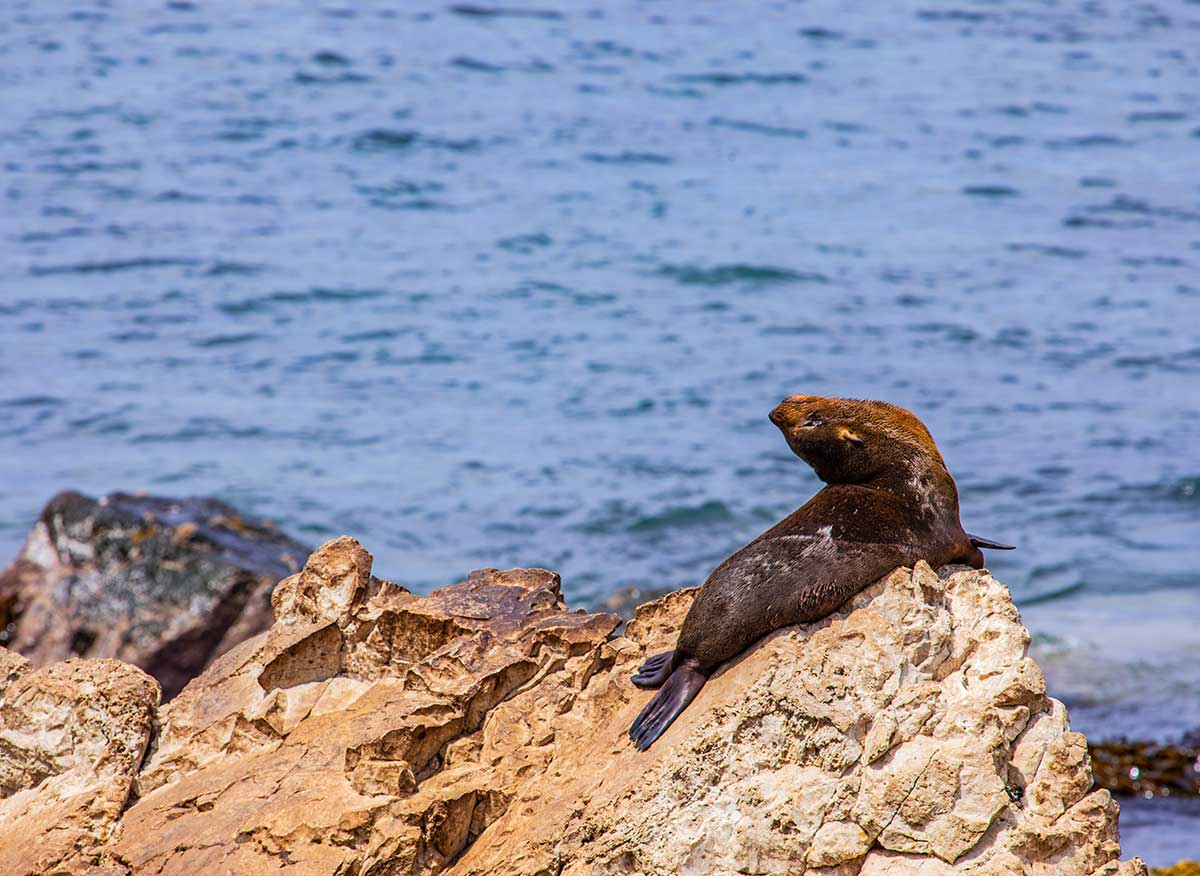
x=889, y=501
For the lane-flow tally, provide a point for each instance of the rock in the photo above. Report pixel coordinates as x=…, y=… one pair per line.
x=482, y=730
x=1183, y=868
x=349, y=734
x=1147, y=768
x=72, y=736
x=165, y=584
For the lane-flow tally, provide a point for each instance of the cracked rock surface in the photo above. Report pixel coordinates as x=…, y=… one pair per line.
x=71, y=738
x=482, y=729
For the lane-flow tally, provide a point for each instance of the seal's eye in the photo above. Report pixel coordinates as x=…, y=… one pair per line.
x=813, y=420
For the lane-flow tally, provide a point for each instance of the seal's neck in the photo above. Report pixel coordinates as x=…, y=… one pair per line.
x=925, y=486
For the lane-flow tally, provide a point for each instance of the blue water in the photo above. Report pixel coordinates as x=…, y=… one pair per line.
x=518, y=284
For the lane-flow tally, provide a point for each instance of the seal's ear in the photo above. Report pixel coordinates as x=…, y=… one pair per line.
x=850, y=435
x=978, y=542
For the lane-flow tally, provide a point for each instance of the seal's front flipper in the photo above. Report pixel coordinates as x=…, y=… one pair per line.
x=654, y=671
x=666, y=705
x=978, y=542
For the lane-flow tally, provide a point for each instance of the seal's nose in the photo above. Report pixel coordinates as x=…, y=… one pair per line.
x=776, y=417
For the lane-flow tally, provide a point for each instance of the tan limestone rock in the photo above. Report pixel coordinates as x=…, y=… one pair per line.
x=878, y=740
x=482, y=730
x=332, y=740
x=72, y=735
x=334, y=579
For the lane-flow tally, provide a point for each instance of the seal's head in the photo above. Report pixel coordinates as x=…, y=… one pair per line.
x=848, y=441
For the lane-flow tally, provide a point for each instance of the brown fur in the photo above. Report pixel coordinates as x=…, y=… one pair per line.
x=889, y=502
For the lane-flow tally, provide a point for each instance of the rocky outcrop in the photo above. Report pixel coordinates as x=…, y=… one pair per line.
x=165, y=584
x=1148, y=769
x=482, y=729
x=72, y=736
x=1183, y=868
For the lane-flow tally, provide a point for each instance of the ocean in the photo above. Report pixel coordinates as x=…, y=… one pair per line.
x=517, y=284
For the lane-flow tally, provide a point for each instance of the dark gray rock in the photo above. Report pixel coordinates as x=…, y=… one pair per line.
x=165, y=584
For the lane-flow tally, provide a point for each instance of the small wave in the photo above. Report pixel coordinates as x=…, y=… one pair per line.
x=33, y=401
x=758, y=128
x=845, y=127
x=1184, y=361
x=111, y=267
x=375, y=335
x=187, y=27
x=683, y=516
x=991, y=191
x=400, y=188
x=104, y=423
x=79, y=167
x=723, y=79
x=1004, y=141
x=821, y=34
x=433, y=354
x=418, y=204
x=380, y=139
x=469, y=10
x=333, y=356
x=628, y=158
x=1062, y=252
x=950, y=331
x=1153, y=261
x=199, y=429
x=961, y=16
x=475, y=65
x=687, y=93
x=329, y=58
x=804, y=328
x=1087, y=141
x=1015, y=337
x=303, y=77
x=504, y=527
x=1159, y=116
x=241, y=269
x=243, y=130
x=1051, y=594
x=1126, y=212
x=545, y=512
x=749, y=275
x=387, y=139
x=175, y=196
x=1034, y=108
x=1126, y=204
x=132, y=337
x=1093, y=222
x=47, y=236
x=318, y=295
x=226, y=340
x=644, y=406
x=603, y=49
x=525, y=243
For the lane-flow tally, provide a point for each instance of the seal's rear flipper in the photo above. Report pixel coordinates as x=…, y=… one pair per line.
x=978, y=542
x=654, y=671
x=672, y=698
